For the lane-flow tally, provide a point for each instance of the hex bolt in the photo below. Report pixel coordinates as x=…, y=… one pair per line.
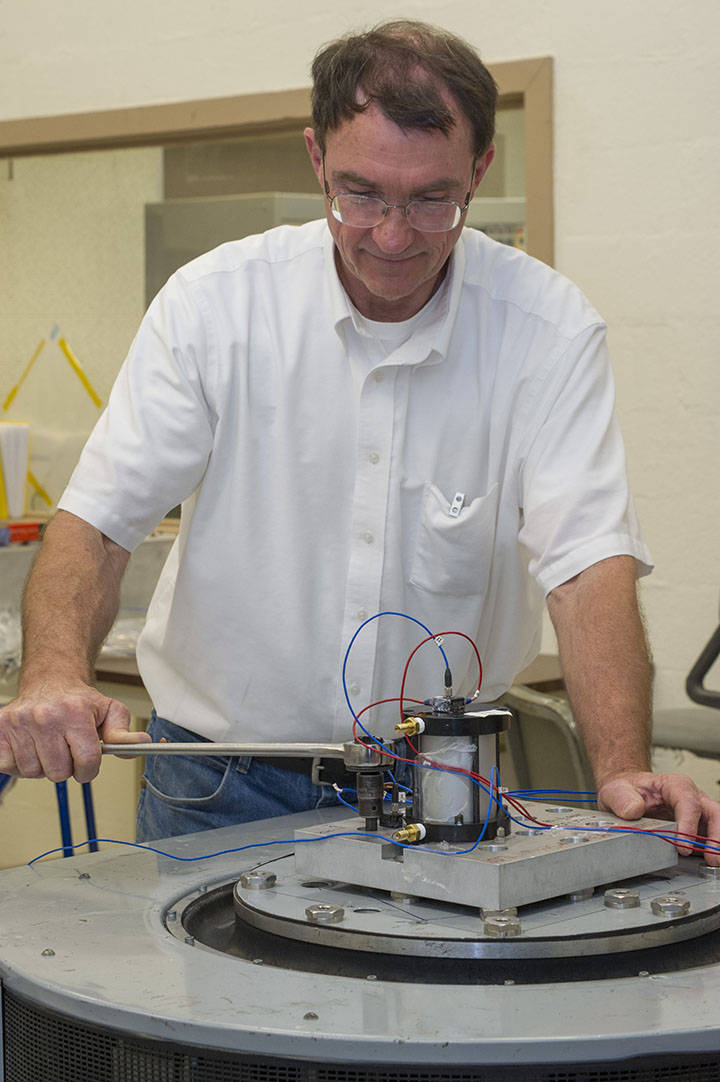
x=258, y=880
x=171, y=915
x=322, y=913
x=670, y=905
x=310, y=1016
x=707, y=872
x=621, y=898
x=48, y=953
x=190, y=940
x=501, y=927
x=84, y=875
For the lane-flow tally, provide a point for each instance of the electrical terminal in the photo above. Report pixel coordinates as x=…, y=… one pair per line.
x=413, y=832
x=410, y=727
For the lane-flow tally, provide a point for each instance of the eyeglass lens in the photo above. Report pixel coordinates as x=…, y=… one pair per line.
x=363, y=211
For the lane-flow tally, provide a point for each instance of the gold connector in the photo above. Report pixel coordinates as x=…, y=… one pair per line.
x=413, y=832
x=410, y=727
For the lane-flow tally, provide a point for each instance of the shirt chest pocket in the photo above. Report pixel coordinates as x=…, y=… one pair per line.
x=453, y=554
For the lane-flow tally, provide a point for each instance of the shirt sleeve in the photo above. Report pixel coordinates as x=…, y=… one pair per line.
x=577, y=507
x=150, y=448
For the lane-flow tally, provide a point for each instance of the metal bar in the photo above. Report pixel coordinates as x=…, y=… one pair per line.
x=276, y=751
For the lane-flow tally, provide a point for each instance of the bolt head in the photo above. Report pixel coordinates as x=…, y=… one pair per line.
x=670, y=905
x=621, y=898
x=258, y=880
x=501, y=926
x=322, y=913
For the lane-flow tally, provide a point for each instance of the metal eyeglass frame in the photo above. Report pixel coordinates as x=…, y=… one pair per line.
x=400, y=206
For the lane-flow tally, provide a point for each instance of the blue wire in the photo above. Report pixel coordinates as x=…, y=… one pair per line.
x=670, y=838
x=352, y=807
x=399, y=784
x=377, y=615
x=64, y=813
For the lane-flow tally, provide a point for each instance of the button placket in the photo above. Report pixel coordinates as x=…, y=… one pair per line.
x=370, y=508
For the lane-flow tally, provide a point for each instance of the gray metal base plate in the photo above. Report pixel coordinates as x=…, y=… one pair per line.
x=528, y=866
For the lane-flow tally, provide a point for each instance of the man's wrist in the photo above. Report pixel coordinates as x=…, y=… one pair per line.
x=39, y=672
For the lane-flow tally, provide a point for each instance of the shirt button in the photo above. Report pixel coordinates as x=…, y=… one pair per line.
x=354, y=689
x=368, y=538
x=374, y=457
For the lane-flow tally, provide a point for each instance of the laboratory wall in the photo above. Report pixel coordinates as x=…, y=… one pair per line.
x=637, y=172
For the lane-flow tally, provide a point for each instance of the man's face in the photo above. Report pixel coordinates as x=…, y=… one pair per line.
x=391, y=270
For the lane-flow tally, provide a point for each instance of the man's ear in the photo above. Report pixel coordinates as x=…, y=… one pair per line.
x=481, y=167
x=315, y=152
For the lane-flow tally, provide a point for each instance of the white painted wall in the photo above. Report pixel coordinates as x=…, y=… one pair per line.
x=637, y=182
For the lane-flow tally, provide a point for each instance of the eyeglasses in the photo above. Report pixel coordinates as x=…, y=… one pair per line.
x=425, y=215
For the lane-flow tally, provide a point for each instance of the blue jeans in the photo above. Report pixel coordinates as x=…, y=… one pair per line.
x=183, y=794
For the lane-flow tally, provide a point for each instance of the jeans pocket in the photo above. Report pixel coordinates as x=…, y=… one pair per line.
x=187, y=780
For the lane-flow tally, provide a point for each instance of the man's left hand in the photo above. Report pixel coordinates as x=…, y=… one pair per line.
x=674, y=796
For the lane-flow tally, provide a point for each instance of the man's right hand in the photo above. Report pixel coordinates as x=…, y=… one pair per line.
x=54, y=731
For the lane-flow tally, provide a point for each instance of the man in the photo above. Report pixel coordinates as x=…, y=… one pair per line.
x=373, y=413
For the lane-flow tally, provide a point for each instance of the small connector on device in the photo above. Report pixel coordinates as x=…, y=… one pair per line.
x=413, y=832
x=410, y=727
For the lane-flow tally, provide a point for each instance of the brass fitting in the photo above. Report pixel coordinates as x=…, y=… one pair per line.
x=410, y=727
x=413, y=832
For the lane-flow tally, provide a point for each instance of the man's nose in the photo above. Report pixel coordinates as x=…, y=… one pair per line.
x=394, y=233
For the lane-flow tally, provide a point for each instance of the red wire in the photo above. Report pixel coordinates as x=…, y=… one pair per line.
x=431, y=638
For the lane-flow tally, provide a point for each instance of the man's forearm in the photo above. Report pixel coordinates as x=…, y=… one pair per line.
x=71, y=600
x=606, y=665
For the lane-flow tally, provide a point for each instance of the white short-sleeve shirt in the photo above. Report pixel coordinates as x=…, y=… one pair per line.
x=318, y=458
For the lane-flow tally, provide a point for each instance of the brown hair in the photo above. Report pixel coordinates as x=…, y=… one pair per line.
x=403, y=66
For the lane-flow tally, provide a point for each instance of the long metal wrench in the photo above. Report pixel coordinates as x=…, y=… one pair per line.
x=287, y=751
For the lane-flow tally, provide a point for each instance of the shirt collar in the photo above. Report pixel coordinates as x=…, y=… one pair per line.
x=431, y=344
